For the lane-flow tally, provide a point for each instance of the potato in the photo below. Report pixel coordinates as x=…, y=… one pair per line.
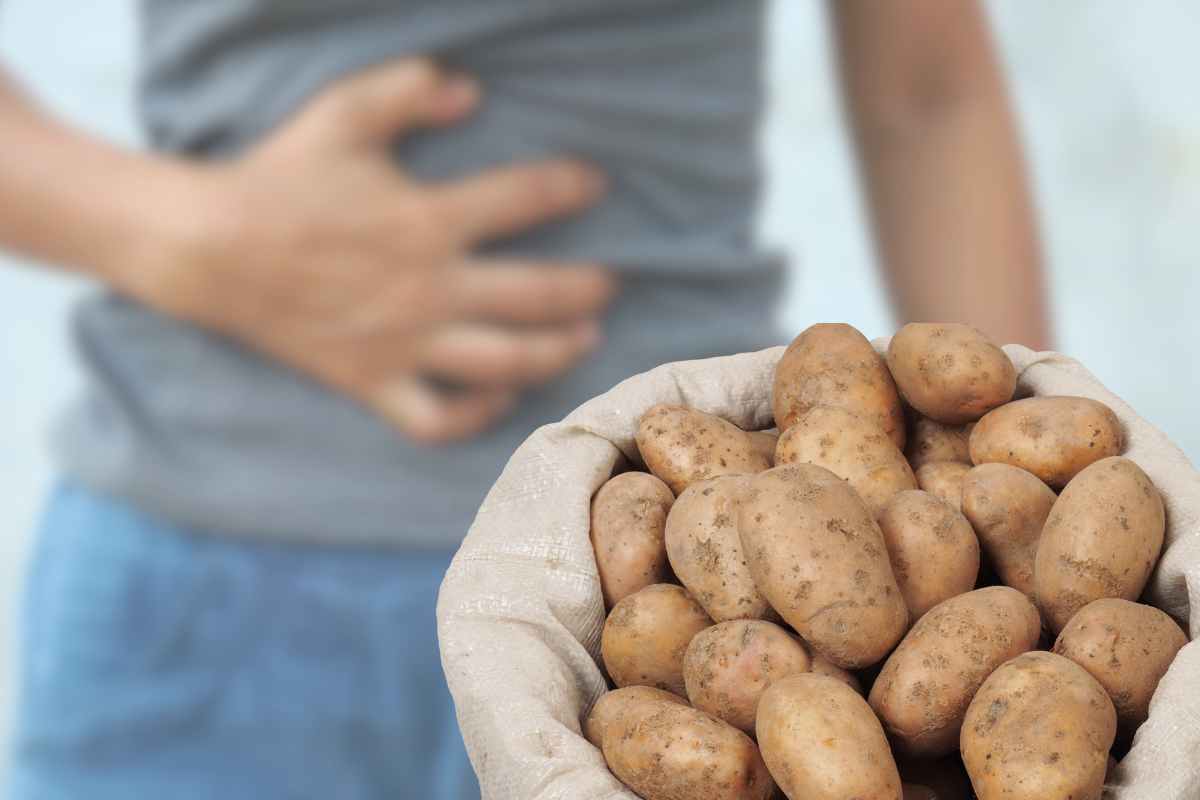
x=818, y=556
x=1102, y=539
x=629, y=515
x=1007, y=507
x=728, y=666
x=913, y=791
x=1052, y=437
x=925, y=685
x=944, y=479
x=1125, y=646
x=834, y=365
x=1040, y=727
x=612, y=706
x=934, y=552
x=929, y=440
x=665, y=751
x=706, y=551
x=851, y=448
x=764, y=443
x=821, y=742
x=945, y=777
x=950, y=373
x=820, y=665
x=646, y=635
x=681, y=446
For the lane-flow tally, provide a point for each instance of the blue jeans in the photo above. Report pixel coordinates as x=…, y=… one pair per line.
x=162, y=663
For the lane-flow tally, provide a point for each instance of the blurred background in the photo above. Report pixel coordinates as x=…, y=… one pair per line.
x=1103, y=95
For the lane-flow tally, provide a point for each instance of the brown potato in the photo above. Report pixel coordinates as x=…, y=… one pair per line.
x=646, y=635
x=612, y=706
x=681, y=446
x=834, y=365
x=934, y=552
x=1052, y=437
x=913, y=791
x=821, y=742
x=951, y=373
x=764, y=443
x=1040, y=727
x=1007, y=507
x=923, y=690
x=929, y=440
x=728, y=666
x=665, y=751
x=820, y=665
x=1125, y=646
x=945, y=777
x=706, y=551
x=944, y=479
x=1102, y=539
x=851, y=448
x=629, y=514
x=818, y=556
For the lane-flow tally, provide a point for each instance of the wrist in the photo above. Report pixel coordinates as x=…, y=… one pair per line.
x=168, y=229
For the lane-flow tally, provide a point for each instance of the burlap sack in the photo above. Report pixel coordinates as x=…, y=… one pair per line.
x=520, y=612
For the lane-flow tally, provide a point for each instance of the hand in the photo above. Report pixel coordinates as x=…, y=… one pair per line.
x=317, y=250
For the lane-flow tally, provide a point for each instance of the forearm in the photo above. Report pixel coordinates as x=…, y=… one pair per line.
x=81, y=204
x=942, y=168
x=954, y=226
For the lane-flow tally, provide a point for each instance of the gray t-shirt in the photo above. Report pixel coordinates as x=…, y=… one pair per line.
x=664, y=95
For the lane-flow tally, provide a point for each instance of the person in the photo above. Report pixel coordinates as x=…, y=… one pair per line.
x=372, y=246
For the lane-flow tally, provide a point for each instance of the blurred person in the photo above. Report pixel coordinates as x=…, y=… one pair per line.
x=374, y=245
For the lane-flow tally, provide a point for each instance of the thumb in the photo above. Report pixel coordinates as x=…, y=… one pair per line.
x=376, y=105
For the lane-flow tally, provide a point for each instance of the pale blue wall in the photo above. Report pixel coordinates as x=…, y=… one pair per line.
x=1110, y=117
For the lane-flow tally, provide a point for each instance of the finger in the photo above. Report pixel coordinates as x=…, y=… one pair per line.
x=431, y=417
x=378, y=104
x=486, y=355
x=509, y=291
x=507, y=200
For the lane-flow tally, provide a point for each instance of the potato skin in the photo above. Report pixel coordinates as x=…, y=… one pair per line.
x=706, y=552
x=820, y=665
x=819, y=558
x=727, y=667
x=851, y=448
x=944, y=480
x=612, y=706
x=945, y=777
x=926, y=684
x=1039, y=727
x=913, y=791
x=665, y=751
x=646, y=635
x=1007, y=507
x=930, y=440
x=950, y=373
x=1125, y=646
x=821, y=741
x=629, y=515
x=832, y=364
x=934, y=552
x=1052, y=437
x=763, y=443
x=1102, y=539
x=681, y=446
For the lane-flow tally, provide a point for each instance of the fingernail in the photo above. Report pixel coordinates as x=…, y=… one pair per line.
x=588, y=335
x=592, y=181
x=461, y=90
x=577, y=182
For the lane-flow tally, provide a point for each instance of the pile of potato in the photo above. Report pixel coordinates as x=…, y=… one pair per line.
x=863, y=605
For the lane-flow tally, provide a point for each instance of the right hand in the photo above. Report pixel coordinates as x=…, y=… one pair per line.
x=317, y=250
